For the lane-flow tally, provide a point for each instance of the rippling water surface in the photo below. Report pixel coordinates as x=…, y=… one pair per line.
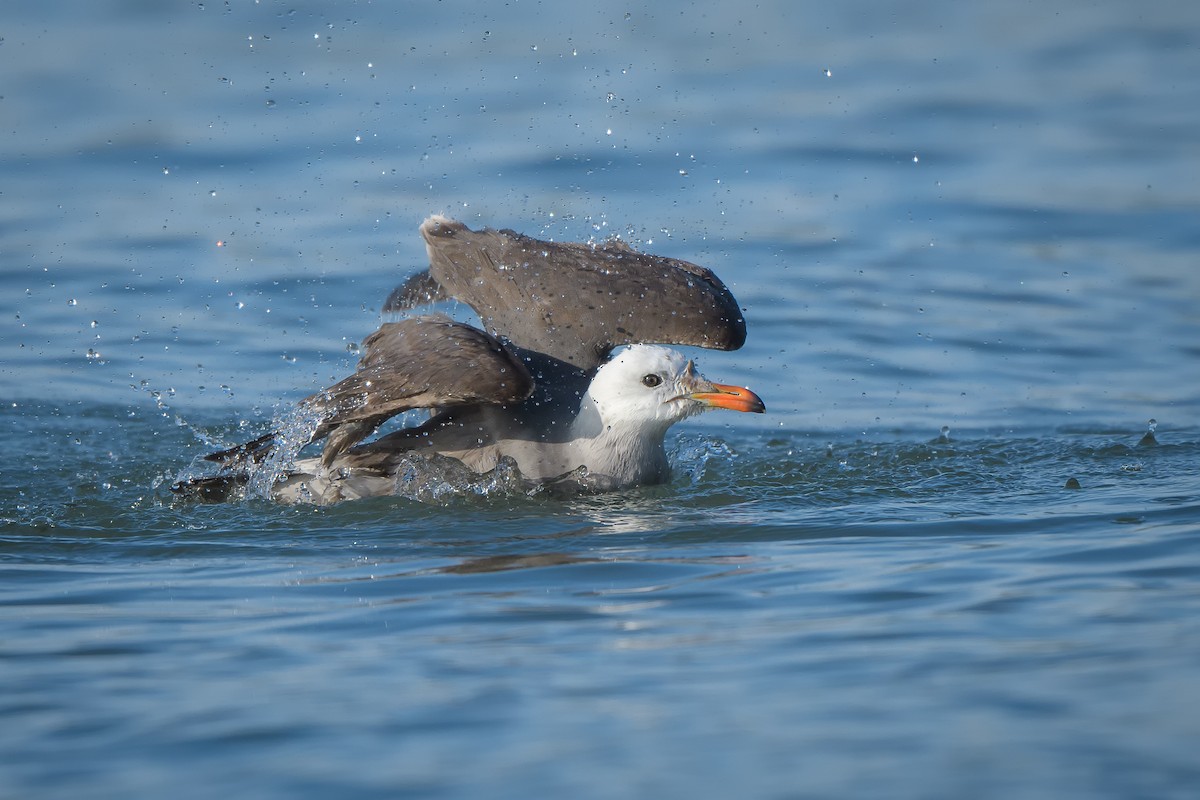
x=976, y=216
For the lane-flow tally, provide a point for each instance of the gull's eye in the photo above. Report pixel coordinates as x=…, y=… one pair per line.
x=651, y=380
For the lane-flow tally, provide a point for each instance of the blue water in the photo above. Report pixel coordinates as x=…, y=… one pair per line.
x=981, y=216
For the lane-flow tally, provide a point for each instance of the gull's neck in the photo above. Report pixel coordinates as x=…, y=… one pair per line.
x=630, y=451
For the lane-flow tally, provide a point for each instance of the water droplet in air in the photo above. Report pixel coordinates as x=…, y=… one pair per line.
x=72, y=302
x=944, y=435
x=828, y=73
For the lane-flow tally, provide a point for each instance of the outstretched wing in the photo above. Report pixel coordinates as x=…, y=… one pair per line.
x=422, y=362
x=573, y=302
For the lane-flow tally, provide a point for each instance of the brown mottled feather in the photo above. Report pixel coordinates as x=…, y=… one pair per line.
x=423, y=362
x=573, y=302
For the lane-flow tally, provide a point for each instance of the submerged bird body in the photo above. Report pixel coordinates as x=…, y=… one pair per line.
x=612, y=439
x=536, y=394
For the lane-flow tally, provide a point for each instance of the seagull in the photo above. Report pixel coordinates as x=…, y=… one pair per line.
x=567, y=381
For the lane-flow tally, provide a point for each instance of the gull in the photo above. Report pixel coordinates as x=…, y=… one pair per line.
x=566, y=382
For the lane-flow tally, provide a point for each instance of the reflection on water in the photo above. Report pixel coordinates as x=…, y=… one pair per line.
x=782, y=588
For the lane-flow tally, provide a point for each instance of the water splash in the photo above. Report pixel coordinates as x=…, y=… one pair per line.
x=440, y=480
x=693, y=456
x=1149, y=439
x=293, y=430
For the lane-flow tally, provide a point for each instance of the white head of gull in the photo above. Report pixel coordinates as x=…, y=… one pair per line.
x=631, y=403
x=623, y=418
x=540, y=388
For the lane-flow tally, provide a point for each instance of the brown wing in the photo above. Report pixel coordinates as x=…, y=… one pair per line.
x=574, y=302
x=419, y=290
x=422, y=362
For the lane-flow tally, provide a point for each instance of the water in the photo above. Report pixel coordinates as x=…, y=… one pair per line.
x=976, y=216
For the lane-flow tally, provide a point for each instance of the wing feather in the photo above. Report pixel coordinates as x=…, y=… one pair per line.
x=573, y=302
x=421, y=362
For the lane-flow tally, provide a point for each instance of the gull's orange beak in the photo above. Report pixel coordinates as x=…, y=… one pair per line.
x=735, y=398
x=719, y=395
